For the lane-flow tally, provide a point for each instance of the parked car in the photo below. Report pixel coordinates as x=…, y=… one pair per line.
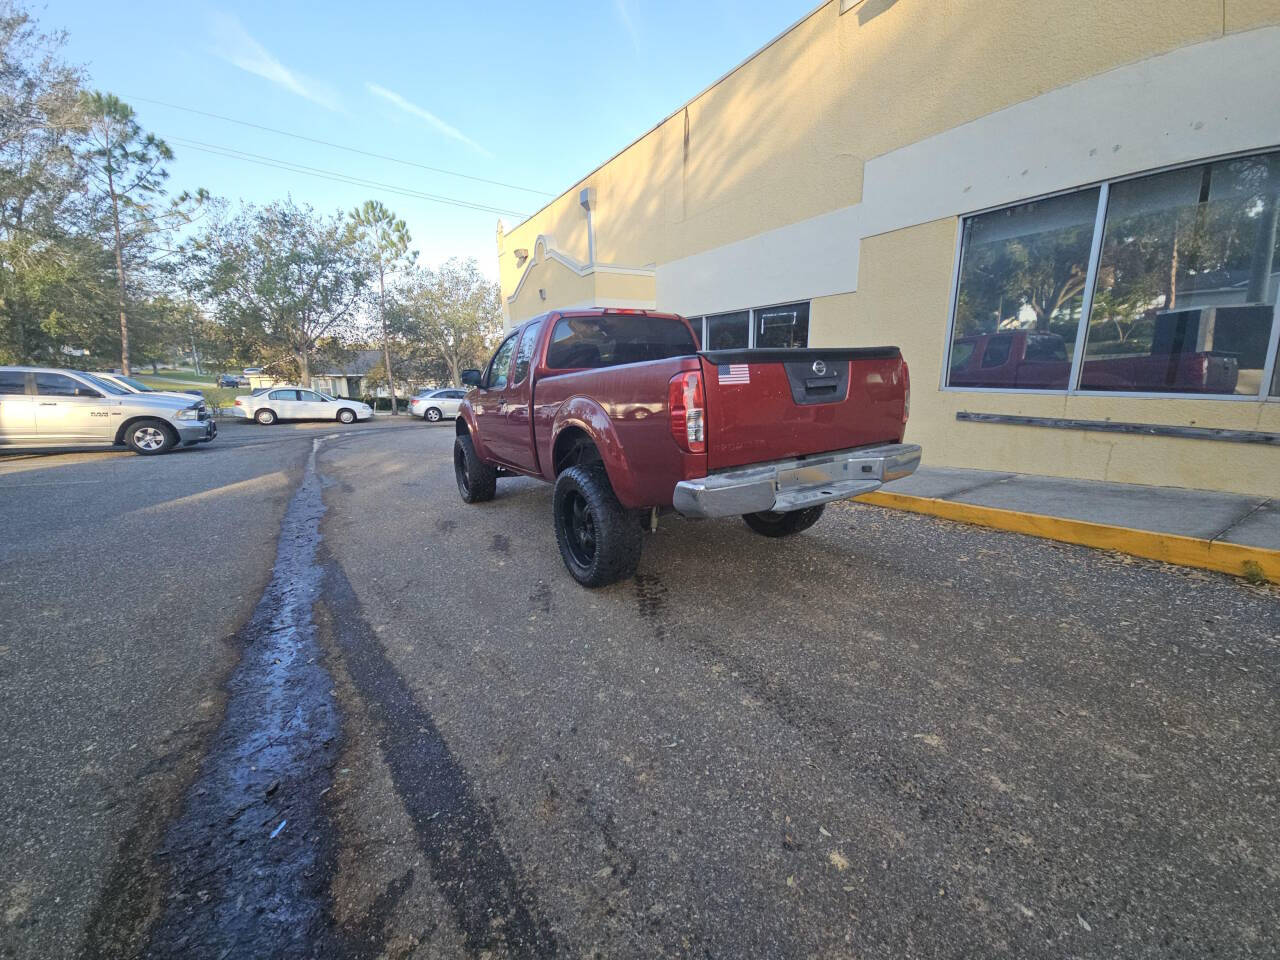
x=622, y=412
x=133, y=385
x=232, y=380
x=1030, y=360
x=45, y=408
x=435, y=405
x=298, y=403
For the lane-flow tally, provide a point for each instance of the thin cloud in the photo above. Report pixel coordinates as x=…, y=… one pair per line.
x=625, y=16
x=422, y=114
x=234, y=44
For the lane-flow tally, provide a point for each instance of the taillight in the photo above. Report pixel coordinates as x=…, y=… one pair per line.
x=239, y=403
x=906, y=394
x=687, y=411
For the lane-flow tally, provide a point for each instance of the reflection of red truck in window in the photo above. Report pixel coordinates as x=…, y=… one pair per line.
x=622, y=412
x=1028, y=360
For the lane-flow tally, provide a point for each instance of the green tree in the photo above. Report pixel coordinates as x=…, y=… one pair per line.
x=283, y=280
x=127, y=165
x=384, y=240
x=450, y=319
x=48, y=265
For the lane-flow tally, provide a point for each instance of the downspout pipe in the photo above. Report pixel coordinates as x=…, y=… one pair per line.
x=587, y=198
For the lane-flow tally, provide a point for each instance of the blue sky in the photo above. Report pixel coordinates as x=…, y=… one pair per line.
x=533, y=95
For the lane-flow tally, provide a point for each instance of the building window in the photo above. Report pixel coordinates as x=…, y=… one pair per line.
x=783, y=326
x=1186, y=291
x=729, y=331
x=1176, y=294
x=1022, y=270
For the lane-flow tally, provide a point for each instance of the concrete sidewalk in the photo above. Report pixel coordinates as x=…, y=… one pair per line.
x=1219, y=531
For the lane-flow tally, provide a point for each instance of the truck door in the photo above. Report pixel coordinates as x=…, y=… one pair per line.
x=17, y=409
x=509, y=437
x=68, y=411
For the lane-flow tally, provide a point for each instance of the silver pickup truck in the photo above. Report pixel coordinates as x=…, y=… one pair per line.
x=44, y=408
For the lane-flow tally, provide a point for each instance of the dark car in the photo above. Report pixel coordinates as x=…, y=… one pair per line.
x=231, y=380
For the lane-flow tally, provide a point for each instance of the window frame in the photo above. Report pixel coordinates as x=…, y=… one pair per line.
x=752, y=323
x=1086, y=307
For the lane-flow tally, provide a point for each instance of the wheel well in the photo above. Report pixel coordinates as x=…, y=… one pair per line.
x=573, y=447
x=460, y=428
x=341, y=410
x=167, y=427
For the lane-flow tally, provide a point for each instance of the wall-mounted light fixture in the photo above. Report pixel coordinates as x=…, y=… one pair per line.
x=542, y=293
x=522, y=254
x=587, y=198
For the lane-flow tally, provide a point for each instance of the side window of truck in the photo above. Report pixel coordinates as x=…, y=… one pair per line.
x=997, y=352
x=495, y=378
x=525, y=354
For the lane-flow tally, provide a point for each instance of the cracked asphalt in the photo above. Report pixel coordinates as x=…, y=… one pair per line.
x=890, y=736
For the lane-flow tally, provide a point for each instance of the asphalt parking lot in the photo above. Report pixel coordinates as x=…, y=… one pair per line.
x=286, y=695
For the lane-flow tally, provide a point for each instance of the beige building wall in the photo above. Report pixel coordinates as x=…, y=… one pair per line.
x=835, y=163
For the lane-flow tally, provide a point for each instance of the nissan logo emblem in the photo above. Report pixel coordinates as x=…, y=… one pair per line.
x=819, y=368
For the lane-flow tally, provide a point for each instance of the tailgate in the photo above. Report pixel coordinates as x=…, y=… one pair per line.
x=774, y=404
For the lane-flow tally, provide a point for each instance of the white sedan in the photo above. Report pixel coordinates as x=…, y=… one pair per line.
x=298, y=403
x=436, y=405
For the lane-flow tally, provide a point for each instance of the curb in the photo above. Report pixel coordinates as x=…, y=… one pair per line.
x=1232, y=558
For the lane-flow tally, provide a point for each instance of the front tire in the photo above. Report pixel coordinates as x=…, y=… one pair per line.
x=770, y=524
x=265, y=417
x=346, y=416
x=433, y=415
x=599, y=540
x=477, y=481
x=150, y=437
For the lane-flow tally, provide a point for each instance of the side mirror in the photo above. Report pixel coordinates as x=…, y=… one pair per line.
x=471, y=378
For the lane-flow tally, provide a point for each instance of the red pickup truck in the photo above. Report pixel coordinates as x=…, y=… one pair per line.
x=627, y=417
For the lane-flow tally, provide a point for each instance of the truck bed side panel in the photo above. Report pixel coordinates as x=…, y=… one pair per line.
x=640, y=454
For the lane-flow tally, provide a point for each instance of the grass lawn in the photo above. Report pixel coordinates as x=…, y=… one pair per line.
x=215, y=396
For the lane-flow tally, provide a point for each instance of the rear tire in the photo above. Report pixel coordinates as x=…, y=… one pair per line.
x=477, y=481
x=265, y=417
x=433, y=415
x=150, y=437
x=770, y=524
x=599, y=539
x=346, y=416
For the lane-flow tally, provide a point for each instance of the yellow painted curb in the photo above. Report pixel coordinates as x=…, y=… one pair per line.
x=1230, y=558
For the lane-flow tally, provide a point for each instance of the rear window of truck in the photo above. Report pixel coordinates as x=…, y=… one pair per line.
x=585, y=342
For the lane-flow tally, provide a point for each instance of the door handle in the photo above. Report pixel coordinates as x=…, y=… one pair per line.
x=48, y=403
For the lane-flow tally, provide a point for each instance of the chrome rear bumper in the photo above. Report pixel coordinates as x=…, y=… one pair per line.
x=786, y=485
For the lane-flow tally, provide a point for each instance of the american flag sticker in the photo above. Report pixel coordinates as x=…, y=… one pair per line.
x=733, y=373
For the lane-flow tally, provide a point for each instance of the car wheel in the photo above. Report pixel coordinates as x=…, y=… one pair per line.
x=346, y=416
x=599, y=540
x=433, y=415
x=477, y=481
x=767, y=523
x=265, y=417
x=149, y=437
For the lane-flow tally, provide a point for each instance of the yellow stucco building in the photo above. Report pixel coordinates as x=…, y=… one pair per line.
x=1064, y=213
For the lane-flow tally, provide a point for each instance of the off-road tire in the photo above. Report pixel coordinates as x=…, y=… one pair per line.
x=599, y=539
x=477, y=480
x=770, y=524
x=433, y=415
x=346, y=415
x=150, y=437
x=265, y=417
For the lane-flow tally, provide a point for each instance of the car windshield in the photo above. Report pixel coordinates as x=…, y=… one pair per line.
x=106, y=385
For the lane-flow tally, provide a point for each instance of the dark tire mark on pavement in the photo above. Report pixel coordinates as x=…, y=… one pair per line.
x=455, y=830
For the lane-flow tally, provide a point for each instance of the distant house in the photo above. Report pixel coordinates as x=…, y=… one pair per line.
x=346, y=379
